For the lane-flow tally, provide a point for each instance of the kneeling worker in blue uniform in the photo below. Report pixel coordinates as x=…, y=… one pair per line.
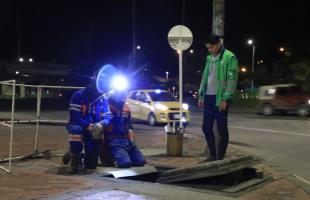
x=89, y=113
x=119, y=134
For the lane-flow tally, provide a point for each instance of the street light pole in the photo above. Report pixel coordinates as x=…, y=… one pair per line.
x=251, y=42
x=134, y=30
x=253, y=63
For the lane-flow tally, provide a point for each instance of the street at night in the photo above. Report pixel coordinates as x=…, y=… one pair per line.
x=154, y=99
x=280, y=141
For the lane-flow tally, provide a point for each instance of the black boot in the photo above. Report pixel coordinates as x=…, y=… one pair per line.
x=76, y=163
x=67, y=157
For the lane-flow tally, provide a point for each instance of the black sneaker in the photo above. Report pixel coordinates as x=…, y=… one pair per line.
x=67, y=158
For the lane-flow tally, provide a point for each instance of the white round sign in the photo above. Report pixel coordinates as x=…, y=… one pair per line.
x=180, y=37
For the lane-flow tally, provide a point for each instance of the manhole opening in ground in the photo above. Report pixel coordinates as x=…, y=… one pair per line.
x=218, y=183
x=221, y=182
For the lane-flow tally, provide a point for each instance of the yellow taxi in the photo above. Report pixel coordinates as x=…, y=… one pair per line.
x=156, y=106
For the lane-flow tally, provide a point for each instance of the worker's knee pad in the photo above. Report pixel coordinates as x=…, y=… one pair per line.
x=76, y=136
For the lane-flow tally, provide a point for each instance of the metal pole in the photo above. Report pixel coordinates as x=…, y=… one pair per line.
x=38, y=118
x=90, y=44
x=181, y=86
x=253, y=63
x=18, y=40
x=134, y=30
x=183, y=12
x=12, y=126
x=218, y=17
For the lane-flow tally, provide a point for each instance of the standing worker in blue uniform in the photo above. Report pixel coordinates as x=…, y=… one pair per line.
x=217, y=87
x=119, y=134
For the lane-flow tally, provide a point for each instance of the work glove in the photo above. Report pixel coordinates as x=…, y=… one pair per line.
x=131, y=136
x=97, y=130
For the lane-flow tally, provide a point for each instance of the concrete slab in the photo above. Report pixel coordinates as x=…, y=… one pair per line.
x=159, y=191
x=113, y=195
x=204, y=170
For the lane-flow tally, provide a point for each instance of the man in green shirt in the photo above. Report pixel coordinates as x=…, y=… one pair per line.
x=217, y=86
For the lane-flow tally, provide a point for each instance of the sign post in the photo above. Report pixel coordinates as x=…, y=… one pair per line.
x=180, y=38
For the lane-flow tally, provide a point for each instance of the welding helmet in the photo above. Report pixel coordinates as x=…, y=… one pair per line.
x=104, y=78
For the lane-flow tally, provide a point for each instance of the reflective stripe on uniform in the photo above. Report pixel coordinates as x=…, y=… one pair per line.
x=125, y=114
x=75, y=105
x=75, y=138
x=75, y=109
x=106, y=114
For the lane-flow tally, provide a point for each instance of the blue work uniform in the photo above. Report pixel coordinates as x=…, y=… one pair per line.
x=124, y=152
x=83, y=113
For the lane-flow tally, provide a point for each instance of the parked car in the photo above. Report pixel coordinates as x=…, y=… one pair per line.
x=283, y=98
x=156, y=106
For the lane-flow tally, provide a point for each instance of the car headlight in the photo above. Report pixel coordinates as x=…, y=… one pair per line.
x=161, y=107
x=185, y=106
x=309, y=101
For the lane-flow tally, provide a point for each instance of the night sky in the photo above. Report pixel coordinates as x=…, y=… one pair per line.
x=91, y=33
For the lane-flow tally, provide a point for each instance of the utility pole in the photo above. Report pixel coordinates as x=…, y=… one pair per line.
x=218, y=18
x=183, y=23
x=183, y=12
x=90, y=44
x=134, y=30
x=18, y=35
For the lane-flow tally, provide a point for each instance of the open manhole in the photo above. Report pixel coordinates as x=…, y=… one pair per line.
x=223, y=176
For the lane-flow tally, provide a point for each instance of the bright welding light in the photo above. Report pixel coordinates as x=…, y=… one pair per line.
x=157, y=91
x=119, y=83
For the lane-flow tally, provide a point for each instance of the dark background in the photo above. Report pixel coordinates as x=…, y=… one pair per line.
x=91, y=33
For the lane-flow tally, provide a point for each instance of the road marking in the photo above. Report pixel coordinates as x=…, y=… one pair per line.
x=273, y=131
x=302, y=179
x=263, y=130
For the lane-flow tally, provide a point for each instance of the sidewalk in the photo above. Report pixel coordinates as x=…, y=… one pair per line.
x=45, y=179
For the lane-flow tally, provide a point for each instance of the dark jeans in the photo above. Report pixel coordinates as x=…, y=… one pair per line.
x=125, y=154
x=211, y=113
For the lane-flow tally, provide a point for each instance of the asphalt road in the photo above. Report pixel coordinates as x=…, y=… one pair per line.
x=281, y=140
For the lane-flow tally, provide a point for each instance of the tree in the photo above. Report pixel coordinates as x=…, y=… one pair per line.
x=261, y=75
x=301, y=71
x=281, y=72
